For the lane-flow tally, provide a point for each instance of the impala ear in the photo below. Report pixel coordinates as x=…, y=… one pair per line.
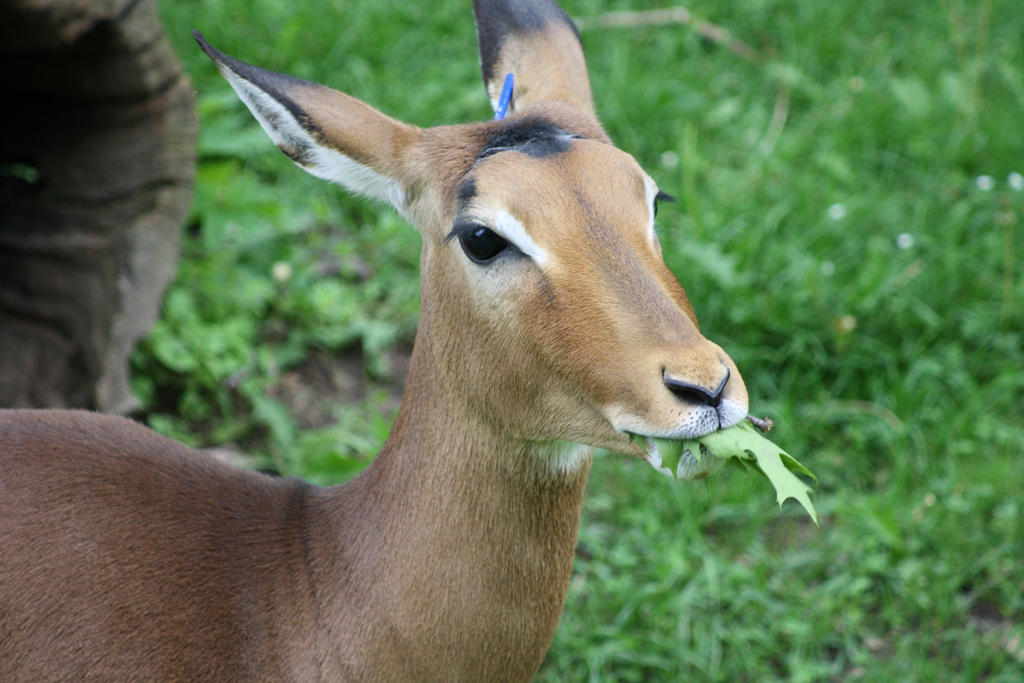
x=538, y=43
x=326, y=132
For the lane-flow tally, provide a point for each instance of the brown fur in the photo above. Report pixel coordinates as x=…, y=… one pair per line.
x=548, y=66
x=224, y=574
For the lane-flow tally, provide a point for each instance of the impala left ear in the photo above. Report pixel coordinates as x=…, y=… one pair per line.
x=328, y=133
x=538, y=43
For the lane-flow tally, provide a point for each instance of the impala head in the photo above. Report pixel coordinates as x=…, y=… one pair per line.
x=547, y=307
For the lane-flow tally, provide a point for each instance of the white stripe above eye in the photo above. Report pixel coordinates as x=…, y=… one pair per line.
x=506, y=225
x=309, y=154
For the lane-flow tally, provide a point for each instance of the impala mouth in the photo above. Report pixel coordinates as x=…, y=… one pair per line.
x=680, y=458
x=688, y=458
x=741, y=444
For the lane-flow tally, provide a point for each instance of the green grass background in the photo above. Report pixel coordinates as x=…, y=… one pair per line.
x=847, y=229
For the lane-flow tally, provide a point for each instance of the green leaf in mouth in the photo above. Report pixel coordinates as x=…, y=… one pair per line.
x=689, y=459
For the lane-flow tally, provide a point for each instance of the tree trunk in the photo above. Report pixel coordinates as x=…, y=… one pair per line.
x=97, y=157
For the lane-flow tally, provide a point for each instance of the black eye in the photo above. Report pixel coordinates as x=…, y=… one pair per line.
x=482, y=244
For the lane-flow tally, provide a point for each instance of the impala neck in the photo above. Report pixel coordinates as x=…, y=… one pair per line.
x=461, y=534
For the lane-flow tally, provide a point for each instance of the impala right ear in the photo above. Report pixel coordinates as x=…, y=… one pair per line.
x=538, y=43
x=326, y=132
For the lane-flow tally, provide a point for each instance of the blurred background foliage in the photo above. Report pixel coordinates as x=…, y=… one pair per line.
x=849, y=228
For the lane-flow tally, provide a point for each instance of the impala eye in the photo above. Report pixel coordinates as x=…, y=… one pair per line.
x=482, y=244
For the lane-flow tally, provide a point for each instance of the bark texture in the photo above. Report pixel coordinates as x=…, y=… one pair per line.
x=97, y=158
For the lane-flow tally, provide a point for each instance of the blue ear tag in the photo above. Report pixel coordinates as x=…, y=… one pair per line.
x=505, y=99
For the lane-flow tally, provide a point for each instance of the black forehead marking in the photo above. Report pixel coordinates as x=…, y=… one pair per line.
x=536, y=137
x=466, y=192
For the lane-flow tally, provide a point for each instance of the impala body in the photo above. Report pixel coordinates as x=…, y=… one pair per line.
x=550, y=325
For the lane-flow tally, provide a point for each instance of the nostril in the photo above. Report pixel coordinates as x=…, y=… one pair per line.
x=695, y=393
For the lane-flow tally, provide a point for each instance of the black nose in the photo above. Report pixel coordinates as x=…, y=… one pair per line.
x=695, y=393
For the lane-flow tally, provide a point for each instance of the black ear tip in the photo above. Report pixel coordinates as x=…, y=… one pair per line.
x=206, y=47
x=212, y=52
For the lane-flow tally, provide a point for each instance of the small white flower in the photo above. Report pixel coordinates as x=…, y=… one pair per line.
x=837, y=211
x=985, y=183
x=904, y=240
x=828, y=268
x=669, y=159
x=281, y=271
x=846, y=323
x=1015, y=181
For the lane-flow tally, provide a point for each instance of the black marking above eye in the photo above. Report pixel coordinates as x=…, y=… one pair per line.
x=466, y=192
x=661, y=197
x=480, y=243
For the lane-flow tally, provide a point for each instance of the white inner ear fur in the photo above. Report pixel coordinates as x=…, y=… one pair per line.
x=322, y=161
x=506, y=225
x=651, y=190
x=494, y=95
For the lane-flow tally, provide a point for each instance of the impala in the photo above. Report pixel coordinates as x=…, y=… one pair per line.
x=550, y=325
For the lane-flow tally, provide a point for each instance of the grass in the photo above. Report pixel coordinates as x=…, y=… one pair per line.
x=848, y=228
